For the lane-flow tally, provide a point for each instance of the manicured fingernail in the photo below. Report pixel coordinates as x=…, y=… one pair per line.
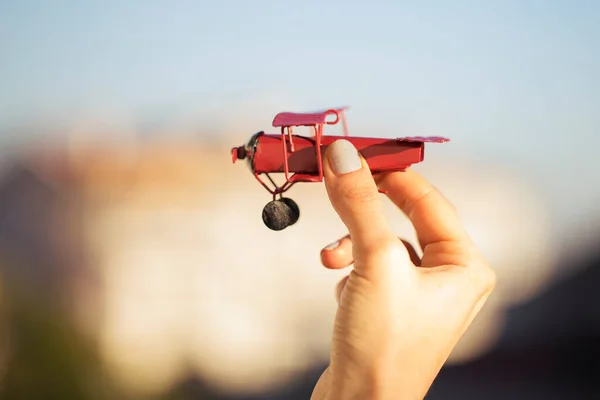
x=332, y=245
x=344, y=157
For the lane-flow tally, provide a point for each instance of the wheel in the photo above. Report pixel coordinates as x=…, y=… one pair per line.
x=294, y=209
x=277, y=215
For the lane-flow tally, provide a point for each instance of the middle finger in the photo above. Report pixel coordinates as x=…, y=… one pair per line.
x=339, y=254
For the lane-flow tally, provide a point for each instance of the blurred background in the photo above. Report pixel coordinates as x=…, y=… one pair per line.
x=134, y=263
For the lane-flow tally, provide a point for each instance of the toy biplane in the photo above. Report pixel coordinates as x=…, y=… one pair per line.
x=299, y=158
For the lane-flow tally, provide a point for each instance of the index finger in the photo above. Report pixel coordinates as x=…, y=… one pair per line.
x=434, y=218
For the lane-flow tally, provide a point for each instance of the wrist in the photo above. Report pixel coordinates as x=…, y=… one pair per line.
x=369, y=386
x=384, y=383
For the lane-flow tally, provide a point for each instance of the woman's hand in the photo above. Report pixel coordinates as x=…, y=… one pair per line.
x=399, y=317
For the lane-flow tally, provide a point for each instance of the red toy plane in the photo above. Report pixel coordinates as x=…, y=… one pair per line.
x=300, y=157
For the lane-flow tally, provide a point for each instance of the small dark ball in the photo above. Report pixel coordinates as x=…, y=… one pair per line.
x=294, y=209
x=276, y=215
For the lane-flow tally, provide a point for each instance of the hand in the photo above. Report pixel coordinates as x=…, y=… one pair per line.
x=398, y=317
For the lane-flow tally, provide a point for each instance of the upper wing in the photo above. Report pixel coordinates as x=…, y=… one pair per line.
x=306, y=119
x=424, y=139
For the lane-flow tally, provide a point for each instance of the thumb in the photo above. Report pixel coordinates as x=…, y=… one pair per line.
x=354, y=196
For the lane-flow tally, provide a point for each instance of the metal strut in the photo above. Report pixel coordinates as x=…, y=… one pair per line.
x=278, y=190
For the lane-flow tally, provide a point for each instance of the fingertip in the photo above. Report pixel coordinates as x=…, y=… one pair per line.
x=327, y=259
x=332, y=246
x=337, y=254
x=342, y=158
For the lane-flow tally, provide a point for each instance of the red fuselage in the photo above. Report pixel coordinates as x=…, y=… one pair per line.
x=265, y=153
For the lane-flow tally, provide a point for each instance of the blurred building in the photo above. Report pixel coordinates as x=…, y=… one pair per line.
x=158, y=252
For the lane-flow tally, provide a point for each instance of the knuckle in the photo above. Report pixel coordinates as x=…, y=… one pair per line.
x=385, y=248
x=359, y=192
x=490, y=279
x=484, y=278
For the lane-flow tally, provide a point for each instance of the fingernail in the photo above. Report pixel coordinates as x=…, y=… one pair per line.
x=344, y=157
x=332, y=245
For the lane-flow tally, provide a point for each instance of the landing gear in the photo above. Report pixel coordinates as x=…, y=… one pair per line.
x=283, y=212
x=279, y=214
x=294, y=209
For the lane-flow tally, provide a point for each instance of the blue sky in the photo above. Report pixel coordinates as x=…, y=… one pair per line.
x=516, y=79
x=432, y=60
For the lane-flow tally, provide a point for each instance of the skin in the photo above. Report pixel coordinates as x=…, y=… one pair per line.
x=398, y=316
